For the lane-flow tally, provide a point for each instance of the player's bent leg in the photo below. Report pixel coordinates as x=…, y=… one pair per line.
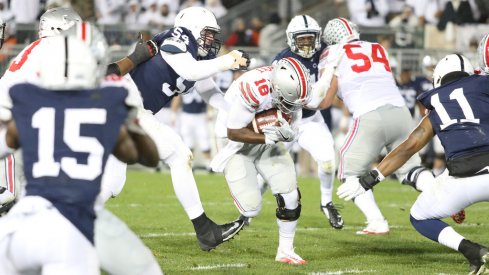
x=113, y=179
x=288, y=212
x=119, y=249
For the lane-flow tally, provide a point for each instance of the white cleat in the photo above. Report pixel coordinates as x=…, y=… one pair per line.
x=376, y=227
x=289, y=257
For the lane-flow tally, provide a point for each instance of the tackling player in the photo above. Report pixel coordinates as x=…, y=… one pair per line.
x=67, y=126
x=457, y=113
x=358, y=72
x=284, y=86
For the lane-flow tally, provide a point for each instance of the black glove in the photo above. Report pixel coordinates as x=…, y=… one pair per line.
x=143, y=51
x=248, y=59
x=369, y=180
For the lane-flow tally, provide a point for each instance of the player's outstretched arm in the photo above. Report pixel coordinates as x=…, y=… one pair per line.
x=142, y=52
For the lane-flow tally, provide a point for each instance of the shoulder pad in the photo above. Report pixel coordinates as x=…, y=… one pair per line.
x=173, y=45
x=248, y=96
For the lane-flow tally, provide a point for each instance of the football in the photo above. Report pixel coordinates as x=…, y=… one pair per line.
x=267, y=117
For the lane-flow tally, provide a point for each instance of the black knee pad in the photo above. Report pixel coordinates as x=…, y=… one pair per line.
x=285, y=214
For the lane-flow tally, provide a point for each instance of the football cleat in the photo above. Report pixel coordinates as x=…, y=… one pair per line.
x=477, y=257
x=289, y=257
x=246, y=220
x=216, y=234
x=332, y=214
x=459, y=217
x=377, y=227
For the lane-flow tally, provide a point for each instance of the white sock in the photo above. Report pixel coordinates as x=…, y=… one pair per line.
x=186, y=190
x=450, y=238
x=366, y=203
x=286, y=233
x=326, y=186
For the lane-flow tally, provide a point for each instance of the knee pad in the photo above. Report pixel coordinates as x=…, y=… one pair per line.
x=327, y=167
x=412, y=176
x=284, y=213
x=180, y=157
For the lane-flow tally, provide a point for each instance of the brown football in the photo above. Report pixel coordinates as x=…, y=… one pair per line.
x=267, y=117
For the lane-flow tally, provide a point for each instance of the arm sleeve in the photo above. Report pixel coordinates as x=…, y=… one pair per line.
x=185, y=65
x=211, y=93
x=239, y=116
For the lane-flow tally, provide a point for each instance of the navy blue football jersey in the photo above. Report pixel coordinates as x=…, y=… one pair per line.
x=422, y=84
x=409, y=93
x=66, y=137
x=192, y=103
x=155, y=79
x=311, y=65
x=459, y=114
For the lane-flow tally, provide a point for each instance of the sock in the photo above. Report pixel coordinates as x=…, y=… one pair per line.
x=286, y=232
x=326, y=186
x=366, y=203
x=431, y=229
x=450, y=238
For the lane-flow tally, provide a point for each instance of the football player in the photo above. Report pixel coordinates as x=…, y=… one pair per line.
x=457, y=113
x=187, y=60
x=67, y=125
x=110, y=231
x=358, y=72
x=305, y=45
x=285, y=86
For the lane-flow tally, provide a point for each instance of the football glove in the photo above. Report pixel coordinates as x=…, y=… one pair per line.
x=241, y=60
x=283, y=132
x=355, y=186
x=143, y=51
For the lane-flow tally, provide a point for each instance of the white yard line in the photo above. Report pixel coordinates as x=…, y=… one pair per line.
x=340, y=272
x=218, y=266
x=168, y=234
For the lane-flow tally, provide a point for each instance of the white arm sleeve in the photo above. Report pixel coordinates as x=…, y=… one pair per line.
x=211, y=93
x=320, y=88
x=239, y=116
x=4, y=149
x=189, y=68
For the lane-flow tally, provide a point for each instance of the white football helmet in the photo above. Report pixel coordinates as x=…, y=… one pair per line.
x=203, y=25
x=96, y=41
x=290, y=85
x=67, y=63
x=300, y=27
x=483, y=53
x=340, y=30
x=56, y=20
x=429, y=63
x=452, y=63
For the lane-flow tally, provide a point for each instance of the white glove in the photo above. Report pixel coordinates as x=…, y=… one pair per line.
x=283, y=132
x=241, y=60
x=350, y=189
x=270, y=138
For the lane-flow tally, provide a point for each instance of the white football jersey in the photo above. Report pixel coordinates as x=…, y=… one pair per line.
x=365, y=80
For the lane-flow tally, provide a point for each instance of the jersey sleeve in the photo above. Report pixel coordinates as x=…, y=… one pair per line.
x=248, y=96
x=239, y=116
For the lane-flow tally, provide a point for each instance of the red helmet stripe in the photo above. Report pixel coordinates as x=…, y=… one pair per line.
x=345, y=22
x=486, y=51
x=302, y=76
x=84, y=31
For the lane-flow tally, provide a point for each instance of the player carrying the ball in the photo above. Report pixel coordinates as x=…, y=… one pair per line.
x=281, y=91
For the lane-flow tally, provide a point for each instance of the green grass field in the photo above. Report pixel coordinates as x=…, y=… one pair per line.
x=148, y=205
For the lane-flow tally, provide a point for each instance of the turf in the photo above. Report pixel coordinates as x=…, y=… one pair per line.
x=149, y=206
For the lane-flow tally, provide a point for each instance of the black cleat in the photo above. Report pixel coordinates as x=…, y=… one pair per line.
x=334, y=217
x=246, y=220
x=477, y=255
x=214, y=234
